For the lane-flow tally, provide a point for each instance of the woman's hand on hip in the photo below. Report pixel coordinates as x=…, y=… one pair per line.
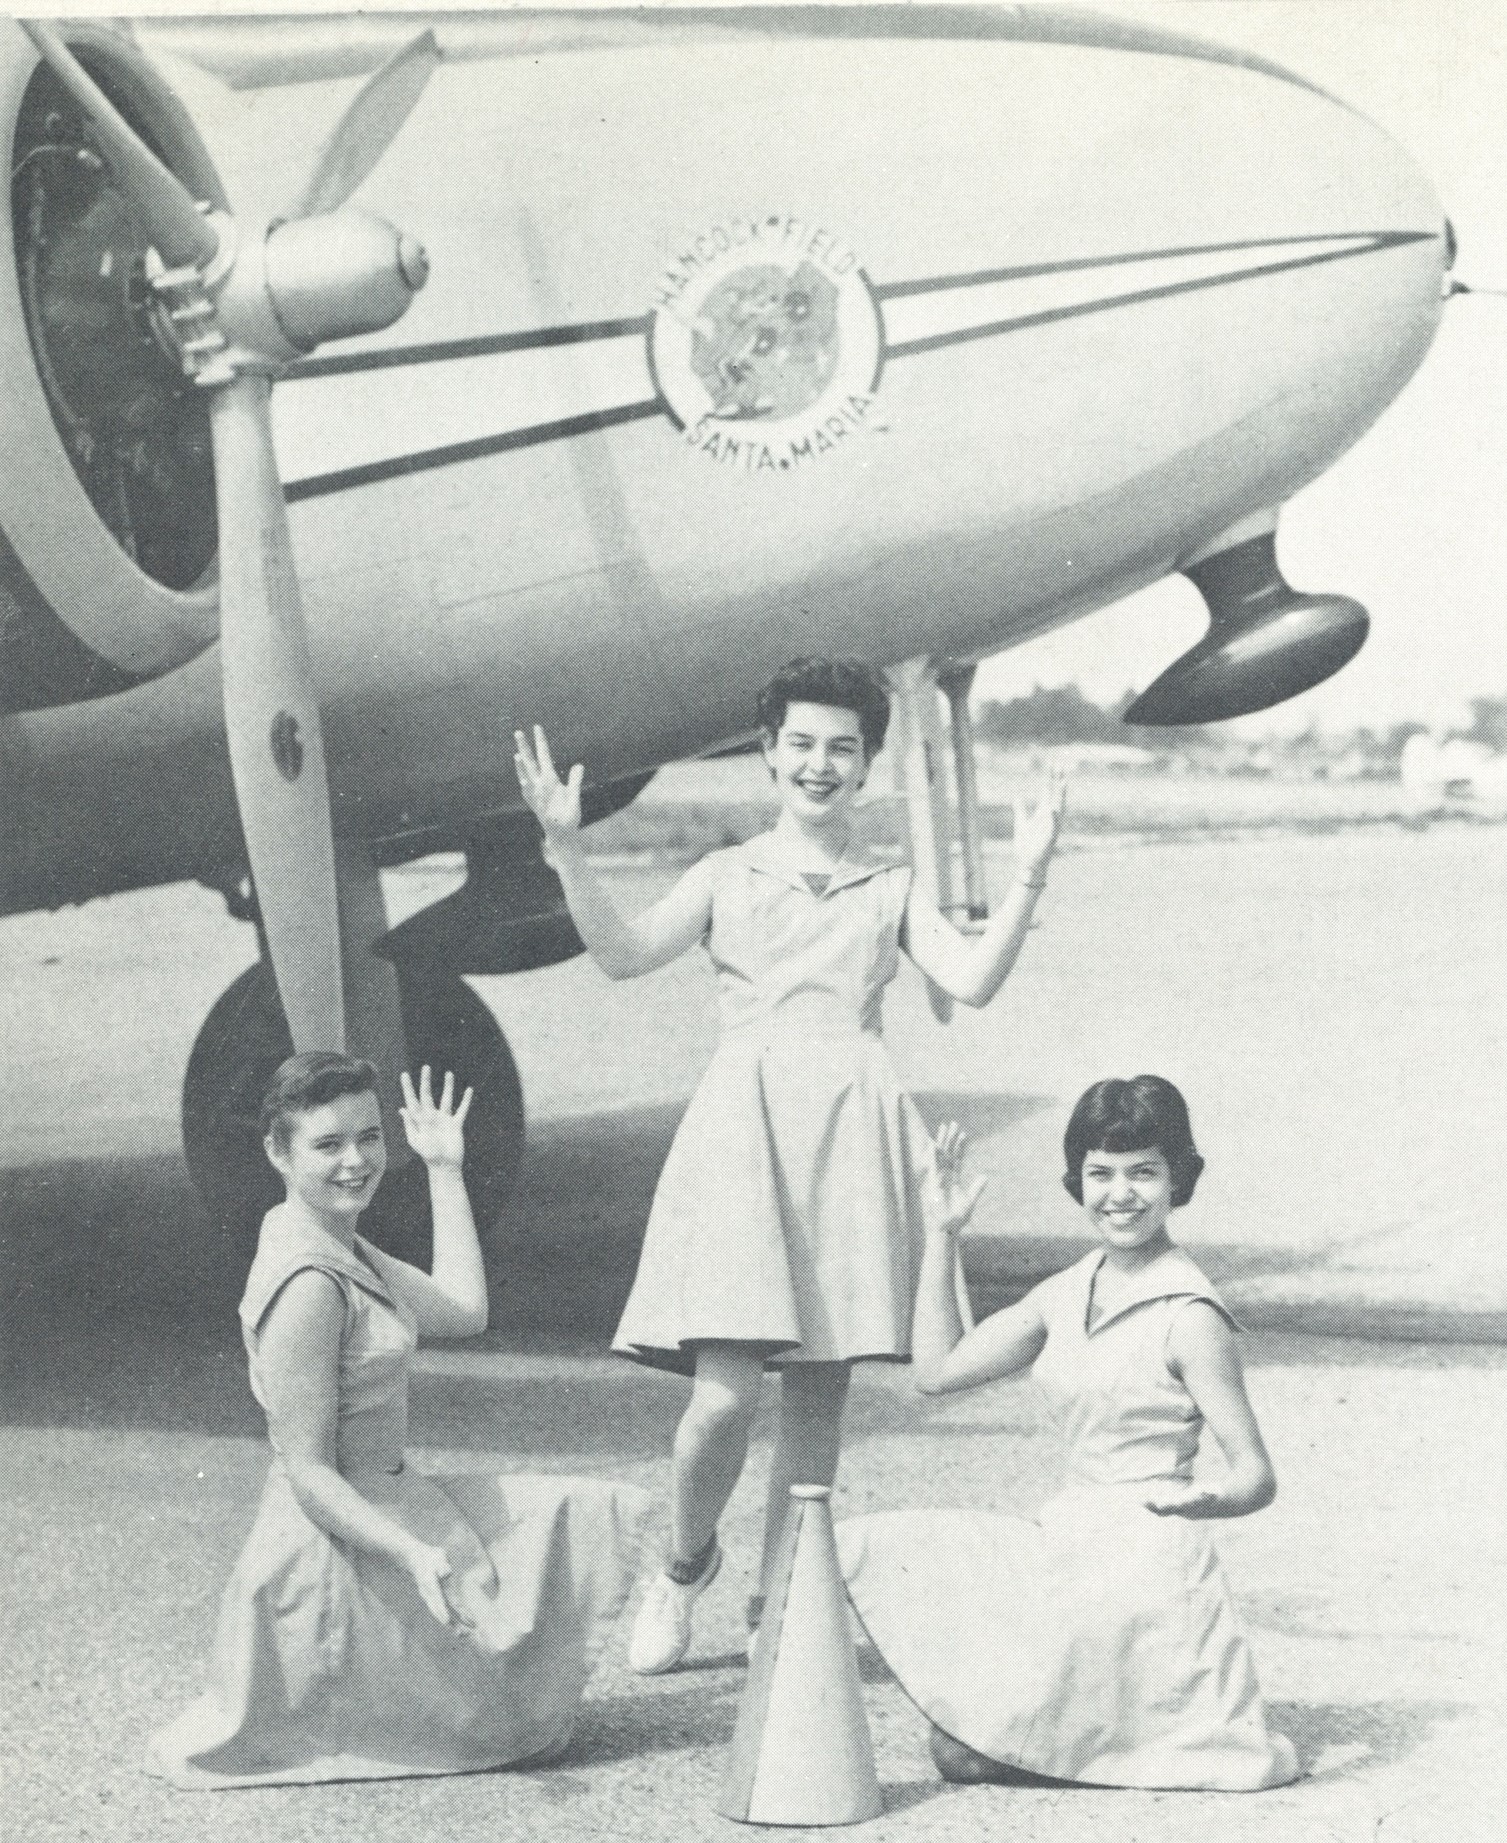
x=1185, y=1500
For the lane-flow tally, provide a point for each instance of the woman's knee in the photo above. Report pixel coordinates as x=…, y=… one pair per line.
x=725, y=1395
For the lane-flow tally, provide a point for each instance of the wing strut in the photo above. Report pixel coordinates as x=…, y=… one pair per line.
x=921, y=777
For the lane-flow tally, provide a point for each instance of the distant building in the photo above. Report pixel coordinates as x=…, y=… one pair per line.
x=1454, y=768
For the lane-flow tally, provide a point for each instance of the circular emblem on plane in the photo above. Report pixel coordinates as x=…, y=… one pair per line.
x=287, y=745
x=766, y=342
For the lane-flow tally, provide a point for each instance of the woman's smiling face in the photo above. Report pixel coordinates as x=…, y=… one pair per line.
x=1127, y=1196
x=335, y=1156
x=818, y=762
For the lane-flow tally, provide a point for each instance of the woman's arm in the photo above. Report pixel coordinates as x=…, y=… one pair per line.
x=299, y=1350
x=944, y=1358
x=451, y=1299
x=972, y=969
x=1201, y=1353
x=622, y=947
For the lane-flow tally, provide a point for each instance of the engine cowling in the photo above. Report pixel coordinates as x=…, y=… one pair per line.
x=107, y=513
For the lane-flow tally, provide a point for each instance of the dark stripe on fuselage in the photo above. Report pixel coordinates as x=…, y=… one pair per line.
x=583, y=332
x=370, y=473
x=981, y=278
x=485, y=345
x=934, y=342
x=394, y=468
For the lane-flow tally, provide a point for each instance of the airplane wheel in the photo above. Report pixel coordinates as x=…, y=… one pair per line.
x=243, y=1040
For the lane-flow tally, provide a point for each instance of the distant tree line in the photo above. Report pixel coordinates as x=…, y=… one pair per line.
x=1055, y=715
x=1489, y=723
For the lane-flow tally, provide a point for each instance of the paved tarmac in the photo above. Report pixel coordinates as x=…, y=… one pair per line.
x=1327, y=1004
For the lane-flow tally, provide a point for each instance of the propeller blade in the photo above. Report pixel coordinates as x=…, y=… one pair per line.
x=272, y=719
x=180, y=232
x=367, y=129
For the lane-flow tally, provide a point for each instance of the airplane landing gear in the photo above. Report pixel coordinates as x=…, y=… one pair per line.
x=244, y=1039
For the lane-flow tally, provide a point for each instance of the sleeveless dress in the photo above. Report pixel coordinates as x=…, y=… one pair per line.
x=326, y=1664
x=787, y=1213
x=1099, y=1643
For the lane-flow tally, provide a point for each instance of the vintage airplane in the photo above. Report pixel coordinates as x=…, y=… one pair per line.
x=902, y=332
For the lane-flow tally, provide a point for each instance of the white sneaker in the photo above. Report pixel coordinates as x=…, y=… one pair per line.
x=662, y=1630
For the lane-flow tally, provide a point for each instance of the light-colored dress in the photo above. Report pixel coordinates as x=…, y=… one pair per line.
x=1099, y=1643
x=787, y=1213
x=326, y=1664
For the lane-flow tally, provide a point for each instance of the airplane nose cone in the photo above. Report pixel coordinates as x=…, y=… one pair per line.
x=340, y=275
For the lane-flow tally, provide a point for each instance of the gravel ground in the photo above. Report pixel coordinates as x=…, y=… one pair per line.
x=1327, y=1004
x=1371, y=1589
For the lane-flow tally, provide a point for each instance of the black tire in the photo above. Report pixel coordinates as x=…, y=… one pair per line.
x=243, y=1040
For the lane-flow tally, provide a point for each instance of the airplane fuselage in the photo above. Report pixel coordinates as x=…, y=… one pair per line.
x=886, y=346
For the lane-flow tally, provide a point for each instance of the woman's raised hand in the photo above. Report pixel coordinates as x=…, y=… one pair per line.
x=951, y=1201
x=1037, y=823
x=556, y=804
x=435, y=1129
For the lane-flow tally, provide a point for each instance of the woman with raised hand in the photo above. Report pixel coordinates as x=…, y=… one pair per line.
x=383, y=1621
x=786, y=1230
x=1098, y=1641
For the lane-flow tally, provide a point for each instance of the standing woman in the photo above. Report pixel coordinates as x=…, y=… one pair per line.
x=380, y=1620
x=785, y=1229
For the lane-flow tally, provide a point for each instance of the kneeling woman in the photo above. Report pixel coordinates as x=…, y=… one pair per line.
x=382, y=1621
x=1098, y=1644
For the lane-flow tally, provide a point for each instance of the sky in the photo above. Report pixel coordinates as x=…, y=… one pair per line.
x=1411, y=521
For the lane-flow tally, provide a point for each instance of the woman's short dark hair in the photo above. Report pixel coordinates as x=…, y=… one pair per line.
x=312, y=1080
x=841, y=684
x=1132, y=1116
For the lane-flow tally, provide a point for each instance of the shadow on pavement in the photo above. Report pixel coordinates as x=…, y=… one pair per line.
x=668, y=1721
x=1300, y=1614
x=905, y=1795
x=1360, y=1735
x=627, y=1728
x=119, y=1293
x=118, y=1298
x=872, y=1668
x=119, y=1301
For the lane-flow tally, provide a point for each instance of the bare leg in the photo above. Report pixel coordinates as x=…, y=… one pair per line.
x=811, y=1404
x=711, y=1443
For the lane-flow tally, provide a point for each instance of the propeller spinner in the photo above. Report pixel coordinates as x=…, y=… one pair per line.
x=238, y=303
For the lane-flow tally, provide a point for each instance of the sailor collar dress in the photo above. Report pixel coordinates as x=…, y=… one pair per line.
x=787, y=1215
x=1100, y=1642
x=326, y=1664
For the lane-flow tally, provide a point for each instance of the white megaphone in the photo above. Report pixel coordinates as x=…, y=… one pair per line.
x=801, y=1752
